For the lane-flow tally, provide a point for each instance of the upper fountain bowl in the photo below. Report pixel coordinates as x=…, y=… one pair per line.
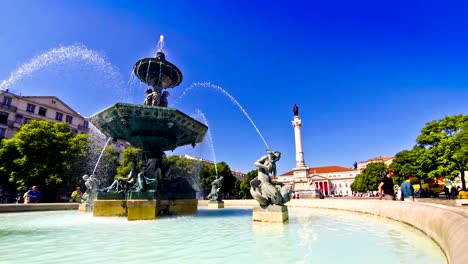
x=158, y=72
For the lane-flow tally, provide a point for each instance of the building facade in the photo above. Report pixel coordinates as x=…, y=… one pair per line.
x=334, y=180
x=17, y=110
x=387, y=160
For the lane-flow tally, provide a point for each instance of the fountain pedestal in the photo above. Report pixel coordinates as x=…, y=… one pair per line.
x=110, y=208
x=271, y=214
x=153, y=128
x=215, y=204
x=141, y=209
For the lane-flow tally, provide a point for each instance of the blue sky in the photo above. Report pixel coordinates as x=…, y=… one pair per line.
x=367, y=75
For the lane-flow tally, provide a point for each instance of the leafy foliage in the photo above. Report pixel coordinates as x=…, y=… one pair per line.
x=370, y=178
x=244, y=191
x=130, y=154
x=45, y=154
x=445, y=143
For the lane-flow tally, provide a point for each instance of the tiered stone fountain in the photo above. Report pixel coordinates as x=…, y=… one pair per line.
x=154, y=128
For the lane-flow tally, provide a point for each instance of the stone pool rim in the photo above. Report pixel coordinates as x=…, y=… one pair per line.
x=446, y=225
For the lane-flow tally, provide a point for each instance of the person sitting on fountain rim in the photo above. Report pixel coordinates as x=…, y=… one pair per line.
x=149, y=97
x=76, y=195
x=32, y=196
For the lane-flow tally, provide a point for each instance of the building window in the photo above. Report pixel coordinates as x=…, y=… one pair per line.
x=31, y=108
x=2, y=132
x=85, y=124
x=7, y=101
x=3, y=118
x=339, y=185
x=346, y=184
x=69, y=119
x=42, y=111
x=26, y=120
x=58, y=116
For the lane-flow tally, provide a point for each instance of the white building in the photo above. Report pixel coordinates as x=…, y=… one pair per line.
x=17, y=110
x=387, y=160
x=330, y=179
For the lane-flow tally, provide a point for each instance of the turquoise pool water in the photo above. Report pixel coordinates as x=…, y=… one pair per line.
x=212, y=236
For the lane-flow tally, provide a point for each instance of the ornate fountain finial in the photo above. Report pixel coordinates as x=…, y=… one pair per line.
x=157, y=72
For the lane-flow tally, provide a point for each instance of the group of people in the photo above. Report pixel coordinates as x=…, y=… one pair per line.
x=387, y=190
x=451, y=193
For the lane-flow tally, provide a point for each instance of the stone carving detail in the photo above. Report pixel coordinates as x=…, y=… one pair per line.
x=261, y=187
x=146, y=180
x=216, y=194
x=91, y=185
x=155, y=97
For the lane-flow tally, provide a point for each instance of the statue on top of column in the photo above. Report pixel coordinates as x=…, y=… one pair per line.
x=296, y=110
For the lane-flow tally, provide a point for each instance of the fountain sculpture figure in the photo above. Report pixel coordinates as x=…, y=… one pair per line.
x=262, y=189
x=154, y=128
x=216, y=195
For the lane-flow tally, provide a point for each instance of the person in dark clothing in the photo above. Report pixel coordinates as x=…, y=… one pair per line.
x=386, y=190
x=447, y=193
x=453, y=192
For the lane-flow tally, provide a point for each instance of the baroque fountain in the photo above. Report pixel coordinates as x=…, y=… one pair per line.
x=227, y=235
x=154, y=128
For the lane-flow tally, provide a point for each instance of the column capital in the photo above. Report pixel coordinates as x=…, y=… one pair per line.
x=297, y=122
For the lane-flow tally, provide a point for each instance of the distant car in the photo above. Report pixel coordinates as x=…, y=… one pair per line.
x=434, y=188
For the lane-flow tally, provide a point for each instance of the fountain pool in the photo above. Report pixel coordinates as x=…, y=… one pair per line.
x=213, y=236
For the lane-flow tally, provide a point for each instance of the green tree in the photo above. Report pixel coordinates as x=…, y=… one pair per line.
x=209, y=175
x=45, y=154
x=186, y=168
x=130, y=154
x=445, y=142
x=244, y=191
x=370, y=178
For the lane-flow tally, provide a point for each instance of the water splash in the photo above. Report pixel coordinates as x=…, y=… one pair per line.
x=219, y=88
x=100, y=156
x=60, y=55
x=161, y=43
x=210, y=138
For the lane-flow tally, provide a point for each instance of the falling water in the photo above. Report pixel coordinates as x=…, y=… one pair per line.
x=208, y=84
x=210, y=138
x=147, y=71
x=60, y=55
x=161, y=43
x=102, y=152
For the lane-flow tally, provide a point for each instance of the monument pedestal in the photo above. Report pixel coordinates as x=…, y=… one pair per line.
x=215, y=204
x=271, y=214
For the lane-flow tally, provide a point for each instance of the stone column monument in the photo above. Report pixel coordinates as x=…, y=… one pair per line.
x=301, y=171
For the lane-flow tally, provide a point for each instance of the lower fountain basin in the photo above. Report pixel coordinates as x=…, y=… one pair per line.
x=214, y=236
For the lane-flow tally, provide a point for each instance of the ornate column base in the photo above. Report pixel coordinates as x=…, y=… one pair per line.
x=271, y=214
